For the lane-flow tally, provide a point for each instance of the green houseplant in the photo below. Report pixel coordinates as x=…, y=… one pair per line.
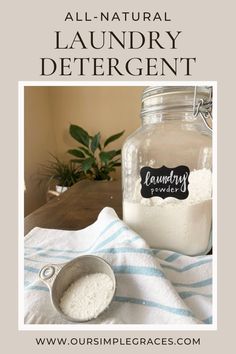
x=95, y=160
x=61, y=174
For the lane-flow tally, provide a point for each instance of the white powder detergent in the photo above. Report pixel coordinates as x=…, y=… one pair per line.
x=87, y=297
x=180, y=225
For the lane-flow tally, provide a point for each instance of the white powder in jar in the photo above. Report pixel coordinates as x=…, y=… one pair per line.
x=87, y=297
x=180, y=225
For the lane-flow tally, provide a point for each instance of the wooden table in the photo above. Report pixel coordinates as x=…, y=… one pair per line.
x=78, y=207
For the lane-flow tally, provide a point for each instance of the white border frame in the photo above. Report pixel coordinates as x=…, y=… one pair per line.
x=113, y=327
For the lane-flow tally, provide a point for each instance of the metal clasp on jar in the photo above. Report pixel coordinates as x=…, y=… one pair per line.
x=203, y=108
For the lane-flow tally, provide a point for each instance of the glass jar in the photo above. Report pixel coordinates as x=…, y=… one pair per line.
x=167, y=170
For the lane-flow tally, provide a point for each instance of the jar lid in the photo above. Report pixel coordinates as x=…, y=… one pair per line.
x=186, y=98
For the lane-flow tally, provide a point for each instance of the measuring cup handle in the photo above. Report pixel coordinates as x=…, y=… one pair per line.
x=49, y=272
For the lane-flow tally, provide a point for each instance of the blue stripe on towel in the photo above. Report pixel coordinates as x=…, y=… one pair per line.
x=37, y=287
x=134, y=238
x=127, y=250
x=198, y=284
x=32, y=260
x=43, y=254
x=47, y=255
x=187, y=267
x=186, y=294
x=32, y=269
x=176, y=311
x=112, y=237
x=51, y=250
x=208, y=320
x=109, y=226
x=172, y=257
x=155, y=250
x=138, y=270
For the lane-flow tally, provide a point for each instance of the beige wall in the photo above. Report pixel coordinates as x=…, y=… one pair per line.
x=39, y=140
x=105, y=109
x=49, y=112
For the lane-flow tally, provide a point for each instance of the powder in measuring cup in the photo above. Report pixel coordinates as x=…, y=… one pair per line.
x=179, y=225
x=87, y=297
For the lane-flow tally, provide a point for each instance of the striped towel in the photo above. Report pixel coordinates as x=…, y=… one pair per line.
x=153, y=286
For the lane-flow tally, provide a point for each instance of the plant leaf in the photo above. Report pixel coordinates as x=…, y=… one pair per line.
x=113, y=137
x=86, y=151
x=118, y=152
x=106, y=156
x=87, y=164
x=76, y=152
x=112, y=162
x=95, y=142
x=79, y=134
x=77, y=160
x=60, y=172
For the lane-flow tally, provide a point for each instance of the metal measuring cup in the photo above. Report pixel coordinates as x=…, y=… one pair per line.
x=58, y=277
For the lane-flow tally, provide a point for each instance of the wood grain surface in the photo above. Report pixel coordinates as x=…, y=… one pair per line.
x=78, y=207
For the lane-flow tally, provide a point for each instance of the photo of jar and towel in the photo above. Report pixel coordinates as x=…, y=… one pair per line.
x=119, y=229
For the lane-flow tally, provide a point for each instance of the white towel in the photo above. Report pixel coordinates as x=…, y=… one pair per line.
x=153, y=286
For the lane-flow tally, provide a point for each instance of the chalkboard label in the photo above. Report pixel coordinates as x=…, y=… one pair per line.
x=165, y=182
